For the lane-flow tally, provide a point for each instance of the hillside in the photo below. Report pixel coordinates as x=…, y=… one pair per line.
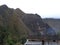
x=35, y=23
x=12, y=25
x=54, y=23
x=16, y=26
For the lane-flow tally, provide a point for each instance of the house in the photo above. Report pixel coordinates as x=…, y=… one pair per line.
x=33, y=42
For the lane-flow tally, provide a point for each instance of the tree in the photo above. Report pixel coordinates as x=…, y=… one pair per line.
x=3, y=35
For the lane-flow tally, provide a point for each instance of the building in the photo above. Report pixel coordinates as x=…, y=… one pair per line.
x=32, y=42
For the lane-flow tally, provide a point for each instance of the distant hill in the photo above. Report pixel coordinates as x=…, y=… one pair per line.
x=54, y=23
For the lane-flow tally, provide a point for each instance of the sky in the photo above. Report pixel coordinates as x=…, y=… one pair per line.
x=45, y=8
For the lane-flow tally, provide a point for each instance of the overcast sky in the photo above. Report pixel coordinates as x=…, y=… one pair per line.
x=45, y=8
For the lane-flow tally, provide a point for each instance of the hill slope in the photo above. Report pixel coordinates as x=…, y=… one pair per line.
x=15, y=26
x=11, y=22
x=36, y=25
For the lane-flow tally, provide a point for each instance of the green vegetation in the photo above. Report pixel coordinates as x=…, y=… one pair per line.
x=12, y=29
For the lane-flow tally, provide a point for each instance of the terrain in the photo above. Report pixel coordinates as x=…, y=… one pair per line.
x=54, y=23
x=16, y=26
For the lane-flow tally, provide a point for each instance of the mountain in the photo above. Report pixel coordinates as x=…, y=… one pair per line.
x=35, y=23
x=16, y=26
x=54, y=23
x=12, y=25
x=32, y=21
